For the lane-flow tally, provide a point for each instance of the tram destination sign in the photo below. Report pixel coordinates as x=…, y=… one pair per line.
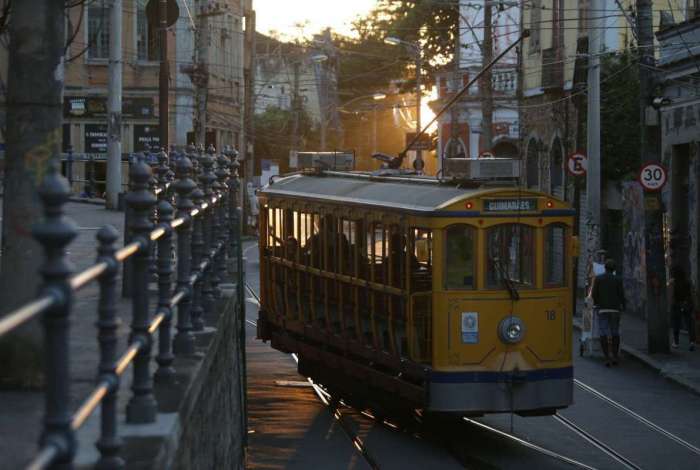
x=510, y=205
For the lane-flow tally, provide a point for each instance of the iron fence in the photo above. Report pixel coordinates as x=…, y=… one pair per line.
x=191, y=241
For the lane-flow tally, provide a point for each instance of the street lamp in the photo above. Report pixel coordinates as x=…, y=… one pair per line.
x=415, y=48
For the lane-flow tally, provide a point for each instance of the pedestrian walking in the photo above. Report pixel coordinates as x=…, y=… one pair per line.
x=682, y=310
x=609, y=300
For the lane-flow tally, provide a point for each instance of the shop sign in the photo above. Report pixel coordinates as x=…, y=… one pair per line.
x=96, y=107
x=95, y=138
x=146, y=136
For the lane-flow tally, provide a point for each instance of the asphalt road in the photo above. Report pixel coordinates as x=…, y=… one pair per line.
x=467, y=445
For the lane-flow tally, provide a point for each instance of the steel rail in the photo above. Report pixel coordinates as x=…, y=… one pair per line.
x=44, y=458
x=636, y=416
x=26, y=313
x=89, y=405
x=127, y=251
x=529, y=445
x=325, y=398
x=83, y=278
x=615, y=455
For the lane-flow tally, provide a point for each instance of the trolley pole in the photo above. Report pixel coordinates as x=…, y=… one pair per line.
x=656, y=302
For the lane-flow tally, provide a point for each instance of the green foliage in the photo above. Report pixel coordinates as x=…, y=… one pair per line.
x=619, y=117
x=273, y=133
x=432, y=23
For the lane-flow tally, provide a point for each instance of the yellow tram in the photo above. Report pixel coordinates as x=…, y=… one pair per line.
x=411, y=292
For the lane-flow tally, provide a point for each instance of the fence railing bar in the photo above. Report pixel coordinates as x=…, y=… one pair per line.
x=127, y=251
x=177, y=222
x=89, y=405
x=80, y=280
x=155, y=323
x=44, y=458
x=157, y=233
x=126, y=358
x=177, y=298
x=204, y=231
x=26, y=313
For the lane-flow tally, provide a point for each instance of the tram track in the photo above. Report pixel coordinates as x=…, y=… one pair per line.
x=601, y=396
x=331, y=403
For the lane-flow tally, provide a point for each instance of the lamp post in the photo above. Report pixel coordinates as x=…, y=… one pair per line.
x=415, y=48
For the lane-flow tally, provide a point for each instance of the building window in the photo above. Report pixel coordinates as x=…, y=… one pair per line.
x=535, y=22
x=98, y=30
x=147, y=37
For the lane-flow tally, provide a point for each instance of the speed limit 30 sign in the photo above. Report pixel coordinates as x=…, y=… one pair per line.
x=653, y=177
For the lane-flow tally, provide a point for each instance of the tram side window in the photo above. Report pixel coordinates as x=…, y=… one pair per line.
x=459, y=262
x=510, y=251
x=554, y=256
x=422, y=260
x=274, y=224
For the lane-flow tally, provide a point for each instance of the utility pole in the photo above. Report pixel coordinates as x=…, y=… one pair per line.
x=486, y=80
x=656, y=302
x=164, y=84
x=295, y=108
x=114, y=124
x=202, y=72
x=34, y=118
x=419, y=71
x=593, y=145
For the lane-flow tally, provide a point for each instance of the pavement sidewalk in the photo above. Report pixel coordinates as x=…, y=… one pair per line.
x=680, y=366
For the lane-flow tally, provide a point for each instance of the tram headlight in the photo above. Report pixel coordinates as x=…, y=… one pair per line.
x=511, y=329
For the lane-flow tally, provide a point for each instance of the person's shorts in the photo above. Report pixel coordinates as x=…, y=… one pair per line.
x=608, y=323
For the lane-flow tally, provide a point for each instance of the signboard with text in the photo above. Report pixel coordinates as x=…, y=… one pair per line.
x=653, y=177
x=425, y=142
x=95, y=138
x=510, y=205
x=146, y=136
x=96, y=107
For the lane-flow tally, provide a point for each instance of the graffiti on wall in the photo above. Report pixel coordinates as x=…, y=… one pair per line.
x=633, y=259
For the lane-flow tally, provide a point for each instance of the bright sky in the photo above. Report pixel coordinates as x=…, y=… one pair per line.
x=283, y=15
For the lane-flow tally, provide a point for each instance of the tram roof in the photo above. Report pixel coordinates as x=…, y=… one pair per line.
x=405, y=194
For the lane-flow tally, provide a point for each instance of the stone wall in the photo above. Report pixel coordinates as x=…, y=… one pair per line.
x=212, y=432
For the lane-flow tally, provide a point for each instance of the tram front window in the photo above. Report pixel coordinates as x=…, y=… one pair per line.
x=459, y=262
x=510, y=255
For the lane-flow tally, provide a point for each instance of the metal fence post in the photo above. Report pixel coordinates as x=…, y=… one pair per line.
x=197, y=257
x=206, y=178
x=54, y=233
x=69, y=167
x=222, y=173
x=109, y=443
x=142, y=406
x=165, y=372
x=184, y=341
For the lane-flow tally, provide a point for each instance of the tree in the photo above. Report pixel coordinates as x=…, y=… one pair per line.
x=34, y=118
x=432, y=23
x=273, y=134
x=619, y=116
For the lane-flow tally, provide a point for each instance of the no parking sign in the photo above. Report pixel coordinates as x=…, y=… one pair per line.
x=577, y=164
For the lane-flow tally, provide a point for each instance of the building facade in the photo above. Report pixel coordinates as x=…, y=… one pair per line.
x=460, y=130
x=680, y=138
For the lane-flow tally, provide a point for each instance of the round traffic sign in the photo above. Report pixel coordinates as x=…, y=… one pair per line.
x=653, y=176
x=577, y=164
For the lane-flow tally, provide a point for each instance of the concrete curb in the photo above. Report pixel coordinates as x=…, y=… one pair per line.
x=653, y=363
x=83, y=200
